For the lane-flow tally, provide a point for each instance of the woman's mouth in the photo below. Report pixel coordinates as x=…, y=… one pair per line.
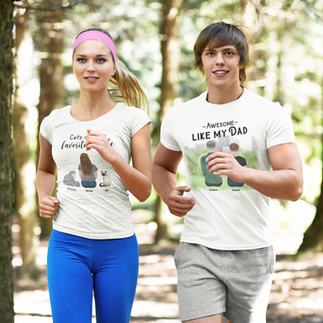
x=91, y=78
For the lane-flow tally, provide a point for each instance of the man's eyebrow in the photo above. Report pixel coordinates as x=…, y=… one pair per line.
x=216, y=48
x=230, y=48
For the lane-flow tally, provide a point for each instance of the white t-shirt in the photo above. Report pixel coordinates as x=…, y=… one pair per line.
x=227, y=215
x=94, y=202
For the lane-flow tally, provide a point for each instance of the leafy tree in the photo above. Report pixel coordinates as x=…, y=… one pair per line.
x=281, y=37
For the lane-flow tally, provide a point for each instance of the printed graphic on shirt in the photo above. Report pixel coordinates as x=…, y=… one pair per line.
x=106, y=179
x=87, y=175
x=242, y=161
x=69, y=179
x=88, y=172
x=224, y=137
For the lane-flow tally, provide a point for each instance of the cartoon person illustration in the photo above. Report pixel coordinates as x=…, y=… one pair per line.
x=210, y=179
x=242, y=161
x=88, y=172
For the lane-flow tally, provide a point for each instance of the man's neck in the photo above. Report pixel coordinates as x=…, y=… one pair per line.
x=222, y=95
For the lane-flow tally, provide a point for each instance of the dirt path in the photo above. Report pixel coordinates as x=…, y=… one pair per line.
x=296, y=297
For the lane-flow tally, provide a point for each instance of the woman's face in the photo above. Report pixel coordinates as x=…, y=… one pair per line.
x=93, y=65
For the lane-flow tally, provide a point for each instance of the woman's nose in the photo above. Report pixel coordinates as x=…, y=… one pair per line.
x=90, y=66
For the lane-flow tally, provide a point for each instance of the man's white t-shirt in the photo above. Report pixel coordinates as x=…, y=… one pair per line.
x=93, y=201
x=227, y=215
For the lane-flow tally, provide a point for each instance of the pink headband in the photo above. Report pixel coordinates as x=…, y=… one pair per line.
x=96, y=35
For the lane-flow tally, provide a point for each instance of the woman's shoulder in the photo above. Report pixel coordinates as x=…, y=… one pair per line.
x=55, y=118
x=129, y=112
x=56, y=113
x=131, y=109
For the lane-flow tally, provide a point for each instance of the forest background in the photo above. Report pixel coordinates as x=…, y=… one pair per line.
x=155, y=40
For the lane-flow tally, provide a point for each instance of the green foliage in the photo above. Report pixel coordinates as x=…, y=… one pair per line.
x=287, y=5
x=285, y=51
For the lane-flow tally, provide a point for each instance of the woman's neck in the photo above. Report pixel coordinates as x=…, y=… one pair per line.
x=91, y=106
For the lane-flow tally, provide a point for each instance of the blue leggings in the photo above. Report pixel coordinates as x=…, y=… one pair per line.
x=77, y=266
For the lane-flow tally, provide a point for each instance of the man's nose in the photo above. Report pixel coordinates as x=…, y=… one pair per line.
x=219, y=59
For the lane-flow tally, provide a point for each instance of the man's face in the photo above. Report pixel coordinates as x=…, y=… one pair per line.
x=221, y=65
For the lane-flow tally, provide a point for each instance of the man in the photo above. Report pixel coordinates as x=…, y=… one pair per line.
x=225, y=259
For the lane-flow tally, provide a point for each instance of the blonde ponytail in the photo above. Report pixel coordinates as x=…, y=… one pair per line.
x=128, y=87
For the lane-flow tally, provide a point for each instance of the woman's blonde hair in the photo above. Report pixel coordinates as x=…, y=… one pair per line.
x=128, y=86
x=125, y=82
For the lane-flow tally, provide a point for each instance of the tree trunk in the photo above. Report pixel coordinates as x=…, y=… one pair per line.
x=6, y=272
x=25, y=168
x=51, y=73
x=313, y=237
x=170, y=50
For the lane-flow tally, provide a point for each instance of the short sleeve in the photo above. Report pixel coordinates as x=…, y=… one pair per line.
x=167, y=133
x=46, y=129
x=279, y=127
x=140, y=119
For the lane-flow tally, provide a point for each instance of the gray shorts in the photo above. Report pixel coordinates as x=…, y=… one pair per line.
x=236, y=283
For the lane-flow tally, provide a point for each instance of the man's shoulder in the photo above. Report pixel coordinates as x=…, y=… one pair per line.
x=254, y=97
x=263, y=107
x=190, y=103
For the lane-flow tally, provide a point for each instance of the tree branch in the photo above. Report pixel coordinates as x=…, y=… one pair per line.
x=46, y=8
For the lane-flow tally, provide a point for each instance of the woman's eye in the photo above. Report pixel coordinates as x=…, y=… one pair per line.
x=101, y=60
x=81, y=60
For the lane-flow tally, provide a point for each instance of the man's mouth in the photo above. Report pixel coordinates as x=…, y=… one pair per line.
x=220, y=72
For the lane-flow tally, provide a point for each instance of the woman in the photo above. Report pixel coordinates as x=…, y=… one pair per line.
x=93, y=246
